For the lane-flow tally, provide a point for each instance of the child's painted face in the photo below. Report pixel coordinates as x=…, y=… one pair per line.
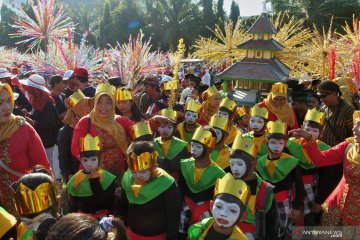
x=224, y=114
x=166, y=130
x=219, y=135
x=191, y=117
x=141, y=176
x=276, y=146
x=33, y=223
x=90, y=164
x=315, y=132
x=225, y=214
x=256, y=123
x=238, y=167
x=197, y=149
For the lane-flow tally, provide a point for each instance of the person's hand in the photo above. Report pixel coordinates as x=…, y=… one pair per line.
x=300, y=133
x=25, y=112
x=317, y=208
x=295, y=215
x=30, y=121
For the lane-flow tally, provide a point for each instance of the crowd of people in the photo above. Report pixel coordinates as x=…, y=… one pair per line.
x=173, y=160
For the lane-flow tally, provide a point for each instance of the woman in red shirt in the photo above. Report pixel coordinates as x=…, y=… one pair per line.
x=113, y=130
x=20, y=147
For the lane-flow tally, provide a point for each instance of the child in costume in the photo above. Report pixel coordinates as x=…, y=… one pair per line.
x=282, y=171
x=92, y=189
x=36, y=200
x=186, y=129
x=227, y=109
x=228, y=207
x=257, y=123
x=210, y=105
x=261, y=209
x=150, y=197
x=198, y=177
x=170, y=148
x=313, y=123
x=221, y=152
x=241, y=119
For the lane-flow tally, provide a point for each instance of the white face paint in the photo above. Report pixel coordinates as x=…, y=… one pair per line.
x=33, y=223
x=238, y=167
x=141, y=176
x=223, y=114
x=191, y=117
x=315, y=132
x=219, y=135
x=276, y=146
x=166, y=130
x=225, y=214
x=197, y=149
x=90, y=164
x=256, y=123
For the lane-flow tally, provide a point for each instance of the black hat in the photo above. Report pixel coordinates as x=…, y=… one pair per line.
x=300, y=95
x=116, y=81
x=326, y=87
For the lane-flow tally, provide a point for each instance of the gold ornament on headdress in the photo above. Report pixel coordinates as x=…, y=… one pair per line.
x=240, y=112
x=28, y=201
x=205, y=137
x=356, y=115
x=106, y=87
x=143, y=161
x=75, y=98
x=228, y=104
x=169, y=113
x=140, y=129
x=219, y=122
x=276, y=127
x=245, y=144
x=89, y=143
x=257, y=111
x=279, y=88
x=193, y=106
x=179, y=55
x=169, y=85
x=211, y=91
x=315, y=116
x=123, y=94
x=235, y=187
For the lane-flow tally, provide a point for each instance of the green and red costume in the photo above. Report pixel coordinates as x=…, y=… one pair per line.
x=222, y=158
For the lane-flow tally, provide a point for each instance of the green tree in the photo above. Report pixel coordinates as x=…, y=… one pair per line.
x=220, y=13
x=234, y=11
x=208, y=19
x=105, y=27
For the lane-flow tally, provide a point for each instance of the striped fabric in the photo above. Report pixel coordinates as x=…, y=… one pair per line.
x=341, y=118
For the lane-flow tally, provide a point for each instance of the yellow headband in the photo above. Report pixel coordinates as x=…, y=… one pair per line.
x=279, y=89
x=236, y=187
x=257, y=111
x=205, y=137
x=193, y=106
x=315, y=116
x=140, y=129
x=169, y=113
x=107, y=88
x=276, y=127
x=245, y=144
x=75, y=98
x=219, y=122
x=228, y=104
x=142, y=162
x=89, y=143
x=30, y=202
x=123, y=94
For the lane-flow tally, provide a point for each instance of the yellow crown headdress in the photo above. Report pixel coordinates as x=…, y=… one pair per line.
x=315, y=116
x=89, y=143
x=143, y=161
x=28, y=201
x=219, y=122
x=240, y=112
x=356, y=115
x=236, y=187
x=228, y=104
x=279, y=88
x=169, y=113
x=75, y=98
x=107, y=88
x=276, y=127
x=245, y=144
x=257, y=111
x=211, y=91
x=193, y=106
x=204, y=137
x=123, y=94
x=140, y=129
x=169, y=85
